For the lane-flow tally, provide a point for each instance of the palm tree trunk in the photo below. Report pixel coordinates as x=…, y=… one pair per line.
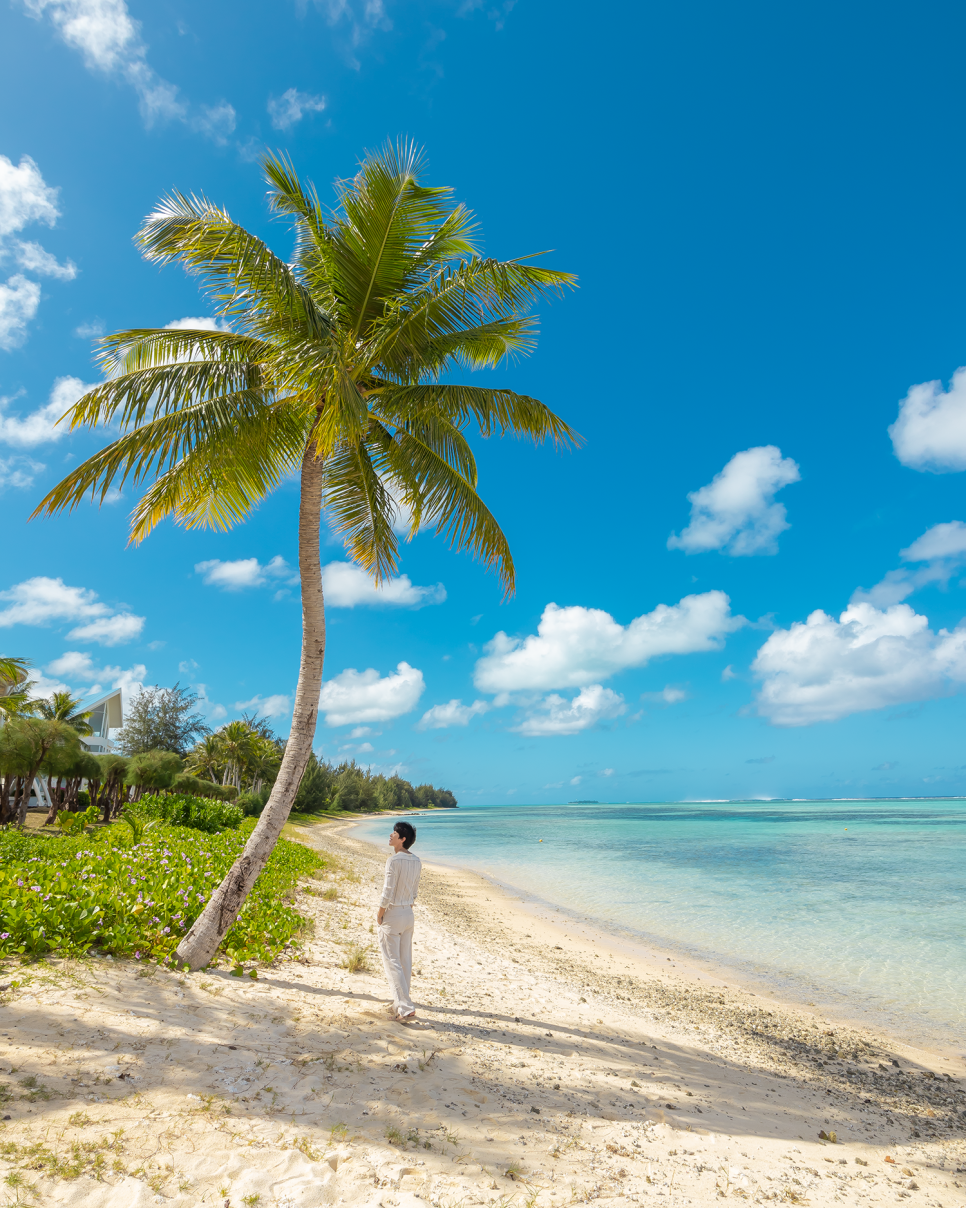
x=203, y=939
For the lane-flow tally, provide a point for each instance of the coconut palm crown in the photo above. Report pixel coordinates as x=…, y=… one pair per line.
x=328, y=367
x=62, y=706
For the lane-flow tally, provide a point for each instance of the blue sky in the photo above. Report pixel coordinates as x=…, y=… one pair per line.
x=748, y=581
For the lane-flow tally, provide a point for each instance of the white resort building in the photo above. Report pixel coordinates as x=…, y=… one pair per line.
x=106, y=715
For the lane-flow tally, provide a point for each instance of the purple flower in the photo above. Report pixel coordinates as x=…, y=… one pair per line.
x=4, y=935
x=20, y=883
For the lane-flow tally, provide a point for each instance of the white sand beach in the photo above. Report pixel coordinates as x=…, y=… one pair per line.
x=552, y=1066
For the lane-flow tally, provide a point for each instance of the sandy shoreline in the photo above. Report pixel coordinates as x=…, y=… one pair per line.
x=551, y=1068
x=916, y=1035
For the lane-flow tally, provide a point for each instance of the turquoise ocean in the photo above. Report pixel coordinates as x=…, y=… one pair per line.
x=857, y=906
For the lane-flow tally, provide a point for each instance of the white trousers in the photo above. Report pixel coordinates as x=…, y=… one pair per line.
x=396, y=946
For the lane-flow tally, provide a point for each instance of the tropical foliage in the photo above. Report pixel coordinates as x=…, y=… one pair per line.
x=139, y=897
x=245, y=754
x=160, y=719
x=15, y=690
x=62, y=706
x=30, y=746
x=347, y=786
x=180, y=809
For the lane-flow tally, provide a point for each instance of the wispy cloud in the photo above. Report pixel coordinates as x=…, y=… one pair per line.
x=941, y=553
x=453, y=713
x=25, y=198
x=109, y=40
x=288, y=110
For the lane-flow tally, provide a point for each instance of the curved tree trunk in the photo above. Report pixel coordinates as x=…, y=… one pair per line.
x=206, y=934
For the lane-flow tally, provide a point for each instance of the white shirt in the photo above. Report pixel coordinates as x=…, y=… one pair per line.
x=402, y=880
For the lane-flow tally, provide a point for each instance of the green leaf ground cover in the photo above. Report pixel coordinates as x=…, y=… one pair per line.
x=64, y=895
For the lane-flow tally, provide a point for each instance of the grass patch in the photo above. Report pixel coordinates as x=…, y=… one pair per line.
x=65, y=895
x=357, y=960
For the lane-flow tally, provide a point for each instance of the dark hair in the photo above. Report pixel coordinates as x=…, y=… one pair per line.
x=407, y=833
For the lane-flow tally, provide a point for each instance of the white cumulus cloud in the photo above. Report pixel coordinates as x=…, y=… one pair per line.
x=288, y=109
x=930, y=430
x=244, y=572
x=110, y=631
x=346, y=585
x=357, y=697
x=40, y=427
x=824, y=668
x=736, y=511
x=453, y=713
x=42, y=600
x=577, y=646
x=555, y=715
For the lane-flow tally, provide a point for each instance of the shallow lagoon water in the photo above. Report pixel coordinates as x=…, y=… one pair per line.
x=858, y=906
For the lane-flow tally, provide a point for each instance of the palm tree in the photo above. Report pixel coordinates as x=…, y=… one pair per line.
x=235, y=743
x=15, y=698
x=331, y=371
x=61, y=706
x=13, y=670
x=205, y=758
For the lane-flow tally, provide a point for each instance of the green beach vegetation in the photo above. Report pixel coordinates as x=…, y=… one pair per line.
x=133, y=892
x=326, y=366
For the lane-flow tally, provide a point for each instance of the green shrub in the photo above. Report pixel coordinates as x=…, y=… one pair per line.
x=65, y=895
x=83, y=799
x=199, y=813
x=194, y=786
x=252, y=804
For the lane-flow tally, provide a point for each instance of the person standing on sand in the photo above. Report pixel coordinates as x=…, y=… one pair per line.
x=395, y=917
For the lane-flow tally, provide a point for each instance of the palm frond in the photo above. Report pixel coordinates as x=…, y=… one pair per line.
x=452, y=502
x=239, y=271
x=361, y=509
x=160, y=445
x=390, y=231
x=494, y=410
x=216, y=484
x=472, y=297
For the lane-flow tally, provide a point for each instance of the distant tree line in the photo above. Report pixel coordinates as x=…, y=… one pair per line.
x=347, y=786
x=165, y=747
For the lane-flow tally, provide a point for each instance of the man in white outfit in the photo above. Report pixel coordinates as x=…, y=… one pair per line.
x=395, y=917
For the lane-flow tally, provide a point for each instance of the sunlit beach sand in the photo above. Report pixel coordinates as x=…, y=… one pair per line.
x=549, y=1068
